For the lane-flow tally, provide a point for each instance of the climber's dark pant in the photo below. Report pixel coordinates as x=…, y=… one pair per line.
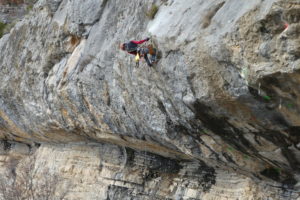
x=145, y=51
x=147, y=60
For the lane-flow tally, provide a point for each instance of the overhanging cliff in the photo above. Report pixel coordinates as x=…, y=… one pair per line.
x=217, y=117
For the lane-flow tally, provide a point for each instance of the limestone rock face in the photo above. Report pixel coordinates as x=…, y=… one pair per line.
x=218, y=117
x=13, y=10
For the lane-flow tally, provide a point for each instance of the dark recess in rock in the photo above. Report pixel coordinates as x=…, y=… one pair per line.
x=271, y=173
x=220, y=126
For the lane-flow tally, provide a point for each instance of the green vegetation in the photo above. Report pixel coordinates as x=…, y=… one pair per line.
x=278, y=170
x=2, y=29
x=289, y=105
x=230, y=149
x=205, y=131
x=246, y=157
x=29, y=8
x=267, y=97
x=152, y=11
x=5, y=28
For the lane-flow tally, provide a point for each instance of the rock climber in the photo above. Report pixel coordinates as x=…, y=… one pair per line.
x=132, y=47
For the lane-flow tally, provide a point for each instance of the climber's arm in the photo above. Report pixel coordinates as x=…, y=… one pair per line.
x=140, y=42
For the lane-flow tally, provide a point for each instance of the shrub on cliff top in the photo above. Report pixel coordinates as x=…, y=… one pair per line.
x=2, y=28
x=5, y=28
x=152, y=11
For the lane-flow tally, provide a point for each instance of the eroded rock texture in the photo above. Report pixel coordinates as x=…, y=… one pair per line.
x=216, y=118
x=13, y=10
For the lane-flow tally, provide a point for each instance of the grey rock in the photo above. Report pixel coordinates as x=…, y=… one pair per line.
x=223, y=96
